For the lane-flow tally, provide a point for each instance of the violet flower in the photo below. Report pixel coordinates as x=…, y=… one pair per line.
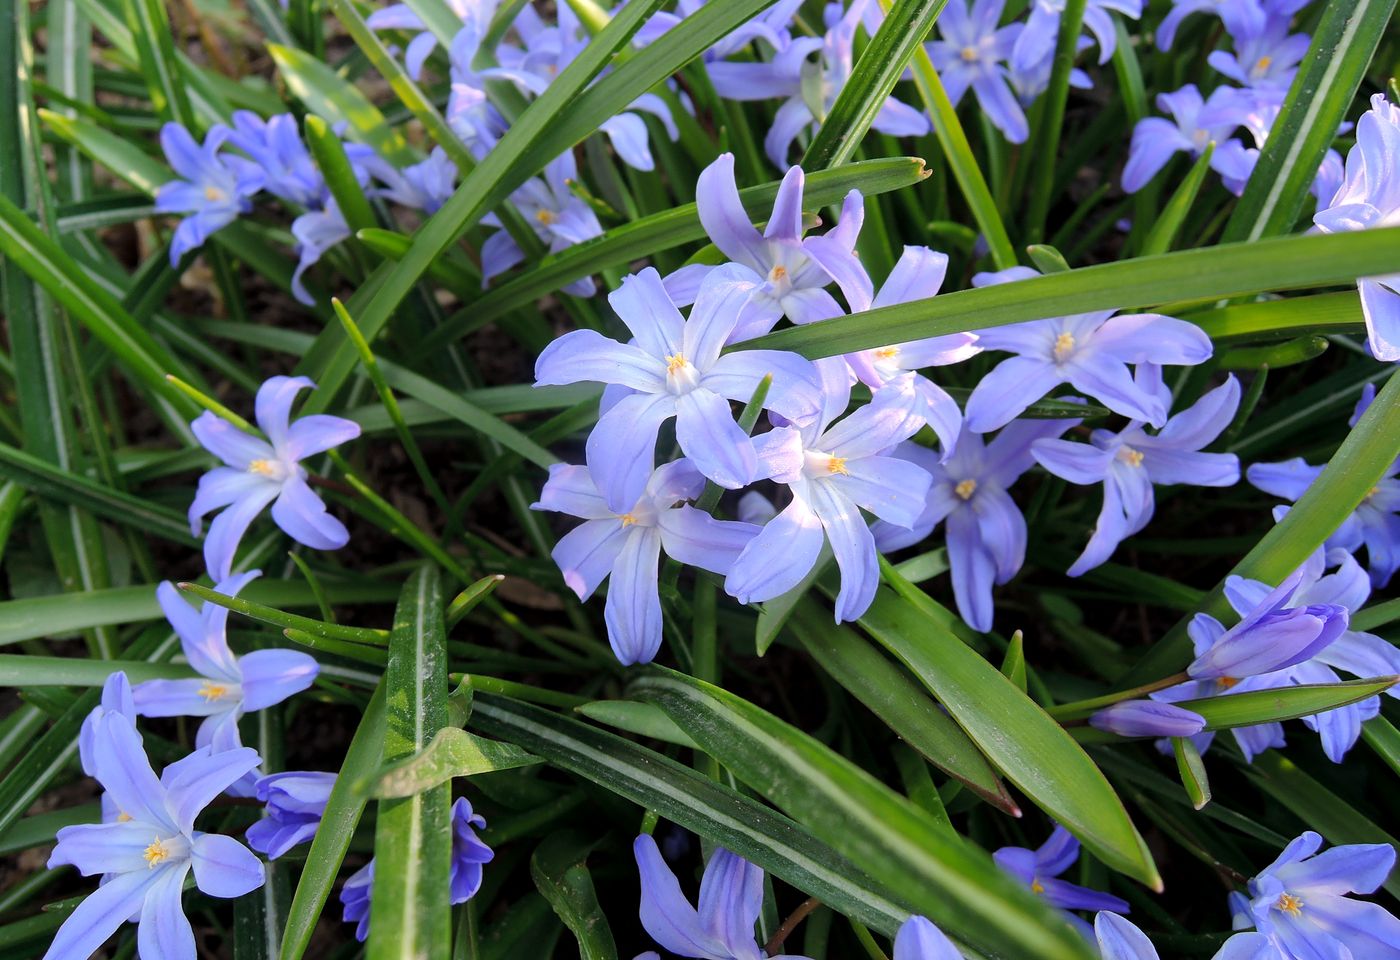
x=626, y=545
x=1300, y=904
x=400, y=16
x=469, y=853
x=1247, y=12
x=146, y=854
x=1375, y=524
x=1266, y=55
x=559, y=218
x=675, y=369
x=1370, y=197
x=296, y=801
x=918, y=939
x=731, y=896
x=1036, y=44
x=834, y=472
x=986, y=533
x=116, y=699
x=1040, y=869
x=1195, y=124
x=425, y=185
x=1090, y=351
x=972, y=53
x=470, y=112
x=917, y=276
x=808, y=92
x=214, y=191
x=1147, y=718
x=276, y=147
x=1130, y=461
x=227, y=686
x=790, y=272
x=258, y=472
x=1119, y=938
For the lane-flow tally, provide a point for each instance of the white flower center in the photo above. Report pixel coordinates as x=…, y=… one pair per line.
x=1064, y=346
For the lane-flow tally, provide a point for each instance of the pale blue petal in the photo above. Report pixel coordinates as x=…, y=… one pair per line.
x=694, y=537
x=271, y=676
x=225, y=868
x=891, y=488
x=95, y=848
x=584, y=355
x=854, y=549
x=164, y=932
x=621, y=450
x=707, y=433
x=1288, y=479
x=1080, y=463
x=100, y=915
x=795, y=394
x=919, y=939
x=273, y=405
x=176, y=698
x=665, y=913
x=227, y=529
x=633, y=609
x=1006, y=392
x=731, y=895
x=227, y=442
x=122, y=768
x=720, y=301
x=201, y=778
x=723, y=216
x=795, y=536
x=318, y=433
x=972, y=569
x=586, y=554
x=1120, y=939
x=303, y=516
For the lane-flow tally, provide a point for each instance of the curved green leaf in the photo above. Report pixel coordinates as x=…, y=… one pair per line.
x=335, y=101
x=453, y=752
x=1284, y=703
x=560, y=873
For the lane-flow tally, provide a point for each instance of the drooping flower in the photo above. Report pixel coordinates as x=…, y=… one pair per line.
x=1370, y=197
x=1300, y=903
x=468, y=856
x=674, y=369
x=296, y=801
x=1090, y=351
x=1120, y=939
x=215, y=190
x=1040, y=869
x=1195, y=124
x=806, y=89
x=986, y=533
x=917, y=276
x=731, y=896
x=559, y=218
x=148, y=851
x=1376, y=522
x=258, y=472
x=1130, y=461
x=918, y=939
x=972, y=53
x=791, y=272
x=1147, y=718
x=834, y=472
x=626, y=546
x=227, y=686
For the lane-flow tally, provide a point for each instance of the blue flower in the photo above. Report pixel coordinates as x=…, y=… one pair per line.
x=972, y=53
x=917, y=276
x=1147, y=718
x=1120, y=939
x=986, y=533
x=146, y=854
x=468, y=855
x=296, y=801
x=425, y=185
x=400, y=16
x=674, y=369
x=772, y=26
x=1194, y=125
x=275, y=145
x=1034, y=51
x=808, y=92
x=1299, y=902
x=1376, y=522
x=626, y=545
x=834, y=472
x=1040, y=869
x=731, y=895
x=1266, y=55
x=1130, y=461
x=559, y=218
x=258, y=472
x=470, y=113
x=214, y=191
x=918, y=939
x=316, y=231
x=227, y=686
x=1090, y=351
x=791, y=272
x=1247, y=12
x=1370, y=196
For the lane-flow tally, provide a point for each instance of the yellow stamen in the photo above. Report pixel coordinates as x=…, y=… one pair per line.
x=1037, y=887
x=1225, y=683
x=546, y=217
x=1131, y=457
x=265, y=467
x=837, y=465
x=1373, y=491
x=1289, y=904
x=887, y=353
x=123, y=817
x=969, y=54
x=966, y=488
x=777, y=273
x=1064, y=343
x=156, y=853
x=213, y=691
x=627, y=519
x=675, y=362
x=213, y=193
x=1263, y=63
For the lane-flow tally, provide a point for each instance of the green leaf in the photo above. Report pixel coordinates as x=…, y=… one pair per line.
x=663, y=231
x=723, y=816
x=1214, y=273
x=453, y=752
x=1192, y=770
x=339, y=175
x=1284, y=703
x=1039, y=757
x=1357, y=466
x=338, y=822
x=869, y=86
x=1046, y=258
x=560, y=873
x=150, y=27
x=1323, y=90
x=1045, y=142
x=892, y=696
x=643, y=719
x=1382, y=737
x=883, y=833
x=22, y=670
x=335, y=101
x=1275, y=356
x=409, y=914
x=119, y=155
x=277, y=618
x=1283, y=319
x=49, y=755
x=1169, y=221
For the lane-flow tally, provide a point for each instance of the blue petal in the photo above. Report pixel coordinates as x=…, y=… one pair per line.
x=303, y=516
x=100, y=915
x=919, y=939
x=731, y=896
x=201, y=778
x=665, y=913
x=122, y=768
x=1119, y=939
x=271, y=676
x=223, y=867
x=795, y=537
x=164, y=932
x=633, y=609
